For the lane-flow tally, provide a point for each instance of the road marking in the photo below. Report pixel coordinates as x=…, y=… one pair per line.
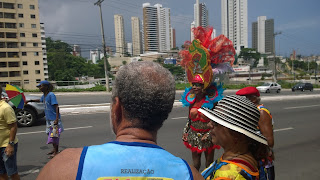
x=297, y=107
x=31, y=171
x=283, y=129
x=180, y=118
x=36, y=132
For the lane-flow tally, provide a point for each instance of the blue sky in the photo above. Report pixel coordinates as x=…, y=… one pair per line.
x=77, y=21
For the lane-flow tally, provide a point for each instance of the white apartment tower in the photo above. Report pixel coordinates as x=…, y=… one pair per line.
x=164, y=25
x=44, y=51
x=136, y=36
x=157, y=25
x=234, y=22
x=119, y=35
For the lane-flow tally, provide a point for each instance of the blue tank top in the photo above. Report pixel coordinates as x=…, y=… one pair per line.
x=131, y=161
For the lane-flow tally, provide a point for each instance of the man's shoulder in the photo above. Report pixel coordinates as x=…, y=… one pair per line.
x=64, y=165
x=5, y=105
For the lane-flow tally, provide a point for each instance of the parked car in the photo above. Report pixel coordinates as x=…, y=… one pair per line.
x=31, y=112
x=302, y=87
x=269, y=87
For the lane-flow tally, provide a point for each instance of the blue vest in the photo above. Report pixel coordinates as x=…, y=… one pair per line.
x=131, y=161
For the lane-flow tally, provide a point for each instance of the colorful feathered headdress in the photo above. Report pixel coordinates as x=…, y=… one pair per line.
x=206, y=56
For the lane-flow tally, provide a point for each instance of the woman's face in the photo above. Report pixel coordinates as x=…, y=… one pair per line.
x=197, y=88
x=220, y=135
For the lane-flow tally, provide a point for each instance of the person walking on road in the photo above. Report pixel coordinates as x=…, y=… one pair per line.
x=54, y=125
x=142, y=98
x=265, y=125
x=234, y=126
x=8, y=141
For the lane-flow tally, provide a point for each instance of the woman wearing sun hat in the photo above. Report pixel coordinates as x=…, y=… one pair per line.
x=234, y=126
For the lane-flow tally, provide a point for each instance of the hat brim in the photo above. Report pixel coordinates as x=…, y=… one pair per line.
x=233, y=125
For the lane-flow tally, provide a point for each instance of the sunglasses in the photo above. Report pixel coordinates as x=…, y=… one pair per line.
x=197, y=84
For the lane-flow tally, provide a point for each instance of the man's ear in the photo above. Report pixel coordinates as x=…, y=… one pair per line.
x=116, y=111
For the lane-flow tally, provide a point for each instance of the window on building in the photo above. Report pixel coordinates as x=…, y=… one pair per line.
x=13, y=54
x=2, y=44
x=36, y=53
x=37, y=63
x=1, y=34
x=13, y=64
x=26, y=81
x=32, y=6
x=4, y=74
x=3, y=64
x=3, y=55
x=35, y=44
x=25, y=72
x=33, y=26
x=37, y=71
x=14, y=73
x=1, y=25
x=38, y=80
x=25, y=63
x=10, y=25
x=21, y=25
x=9, y=15
x=34, y=35
x=20, y=6
x=32, y=16
x=22, y=34
x=1, y=14
x=23, y=44
x=11, y=35
x=12, y=45
x=20, y=15
x=24, y=53
x=8, y=5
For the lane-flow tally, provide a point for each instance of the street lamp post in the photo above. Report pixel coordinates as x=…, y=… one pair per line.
x=274, y=56
x=105, y=58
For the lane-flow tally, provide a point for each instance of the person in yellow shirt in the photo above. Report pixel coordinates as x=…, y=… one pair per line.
x=8, y=142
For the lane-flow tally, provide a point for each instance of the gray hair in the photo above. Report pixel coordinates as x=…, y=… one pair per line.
x=146, y=91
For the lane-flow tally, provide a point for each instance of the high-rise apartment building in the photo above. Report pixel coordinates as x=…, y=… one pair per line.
x=262, y=35
x=234, y=22
x=136, y=36
x=21, y=60
x=157, y=25
x=119, y=35
x=164, y=26
x=201, y=16
x=44, y=51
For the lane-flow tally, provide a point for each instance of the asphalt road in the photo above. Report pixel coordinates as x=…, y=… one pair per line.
x=297, y=134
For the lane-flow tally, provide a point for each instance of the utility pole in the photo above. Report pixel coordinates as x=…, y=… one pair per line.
x=274, y=51
x=315, y=71
x=105, y=58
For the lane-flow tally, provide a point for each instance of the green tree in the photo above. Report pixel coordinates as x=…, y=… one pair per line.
x=63, y=66
x=124, y=62
x=176, y=71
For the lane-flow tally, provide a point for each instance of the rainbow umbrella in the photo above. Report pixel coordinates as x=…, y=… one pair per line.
x=15, y=95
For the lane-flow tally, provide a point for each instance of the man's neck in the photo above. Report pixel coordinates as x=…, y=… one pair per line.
x=136, y=135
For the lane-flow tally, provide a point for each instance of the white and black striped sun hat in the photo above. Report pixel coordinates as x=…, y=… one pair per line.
x=237, y=113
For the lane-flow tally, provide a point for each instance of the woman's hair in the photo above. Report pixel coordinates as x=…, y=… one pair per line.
x=258, y=150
